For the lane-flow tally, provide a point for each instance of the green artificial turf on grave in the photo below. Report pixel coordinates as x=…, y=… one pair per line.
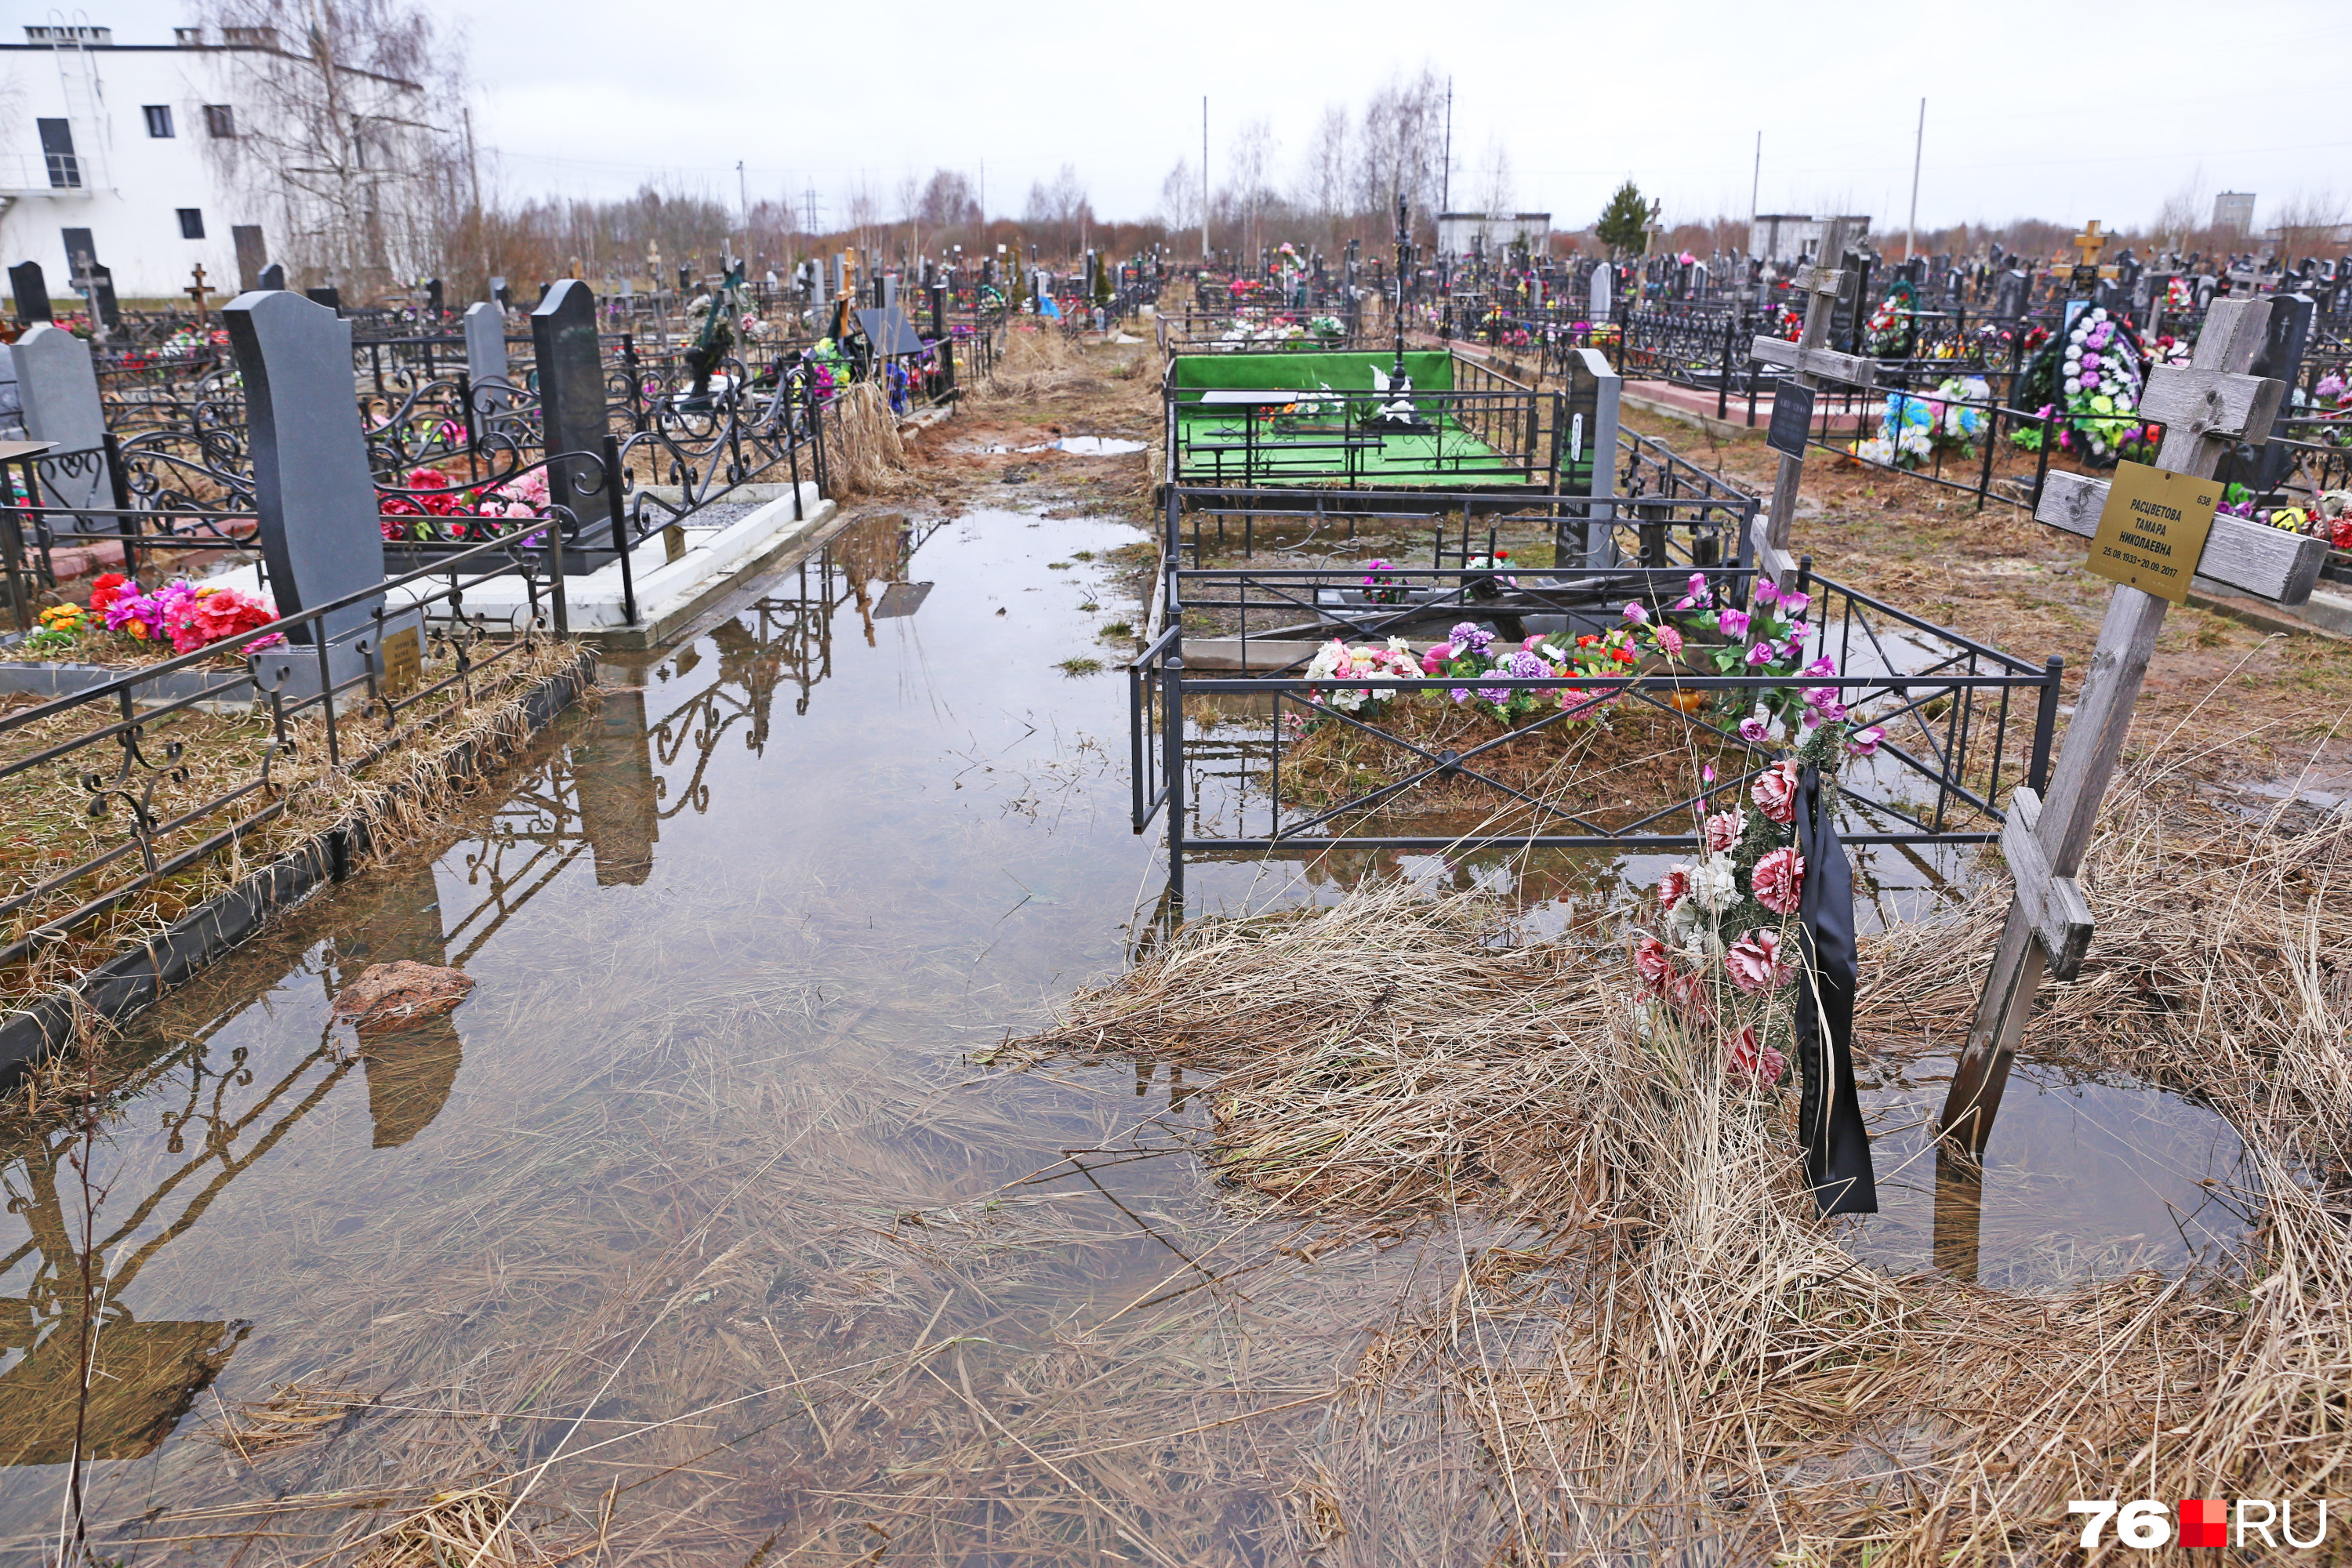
x=1446, y=454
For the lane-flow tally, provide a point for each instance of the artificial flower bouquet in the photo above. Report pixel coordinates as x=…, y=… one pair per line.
x=124, y=616
x=1726, y=942
x=432, y=495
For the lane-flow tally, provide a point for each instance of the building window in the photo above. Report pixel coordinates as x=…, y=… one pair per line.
x=191, y=223
x=250, y=37
x=159, y=119
x=188, y=38
x=58, y=152
x=220, y=121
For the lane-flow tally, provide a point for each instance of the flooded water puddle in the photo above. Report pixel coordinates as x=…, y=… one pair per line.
x=701, y=1201
x=2084, y=1179
x=1076, y=446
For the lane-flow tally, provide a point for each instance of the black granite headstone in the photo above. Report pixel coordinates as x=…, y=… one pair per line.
x=273, y=277
x=572, y=406
x=31, y=292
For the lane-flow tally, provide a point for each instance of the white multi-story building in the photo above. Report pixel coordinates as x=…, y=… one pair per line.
x=226, y=152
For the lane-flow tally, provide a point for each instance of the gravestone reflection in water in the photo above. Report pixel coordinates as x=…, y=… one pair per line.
x=56, y=381
x=572, y=408
x=411, y=1069
x=620, y=802
x=316, y=501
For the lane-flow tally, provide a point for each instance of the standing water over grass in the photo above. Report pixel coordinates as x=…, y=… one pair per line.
x=700, y=1226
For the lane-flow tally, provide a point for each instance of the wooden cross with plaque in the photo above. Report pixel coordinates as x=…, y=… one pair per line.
x=199, y=293
x=2152, y=531
x=1812, y=364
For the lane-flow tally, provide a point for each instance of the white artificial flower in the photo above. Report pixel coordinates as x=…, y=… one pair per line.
x=1714, y=883
x=2074, y=383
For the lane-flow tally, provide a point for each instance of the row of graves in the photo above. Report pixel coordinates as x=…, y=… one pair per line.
x=1662, y=673
x=314, y=576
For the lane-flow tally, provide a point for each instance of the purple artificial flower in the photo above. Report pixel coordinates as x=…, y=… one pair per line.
x=1733, y=623
x=1864, y=742
x=1800, y=632
x=1498, y=695
x=1460, y=694
x=1820, y=669
x=1795, y=603
x=1754, y=731
x=1470, y=638
x=1525, y=666
x=1707, y=773
x=1766, y=591
x=1634, y=613
x=1763, y=653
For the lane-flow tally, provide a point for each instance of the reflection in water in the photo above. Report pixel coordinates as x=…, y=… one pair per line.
x=2084, y=1179
x=410, y=1071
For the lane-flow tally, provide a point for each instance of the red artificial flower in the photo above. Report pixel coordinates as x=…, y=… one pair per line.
x=1775, y=791
x=109, y=587
x=1756, y=964
x=1652, y=963
x=1779, y=880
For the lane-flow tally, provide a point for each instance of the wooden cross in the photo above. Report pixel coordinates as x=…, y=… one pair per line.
x=2205, y=410
x=198, y=292
x=2090, y=242
x=1812, y=364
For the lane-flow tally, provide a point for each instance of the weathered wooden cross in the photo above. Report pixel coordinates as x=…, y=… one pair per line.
x=2090, y=242
x=199, y=293
x=1812, y=364
x=2205, y=409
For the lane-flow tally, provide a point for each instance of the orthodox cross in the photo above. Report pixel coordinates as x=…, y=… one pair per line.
x=2205, y=409
x=2090, y=242
x=1812, y=364
x=198, y=292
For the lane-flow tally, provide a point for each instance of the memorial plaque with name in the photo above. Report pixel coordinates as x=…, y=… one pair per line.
x=403, y=660
x=1792, y=419
x=2152, y=531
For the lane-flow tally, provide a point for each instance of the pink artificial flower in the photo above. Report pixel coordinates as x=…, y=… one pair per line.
x=1669, y=638
x=1652, y=963
x=1864, y=742
x=1673, y=886
x=1759, y=1064
x=1434, y=657
x=1766, y=591
x=1795, y=603
x=1724, y=828
x=1775, y=791
x=1733, y=623
x=1755, y=962
x=1779, y=880
x=1635, y=613
x=1755, y=730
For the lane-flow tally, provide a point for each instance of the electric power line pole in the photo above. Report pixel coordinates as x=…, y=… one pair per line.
x=1918, y=146
x=1204, y=181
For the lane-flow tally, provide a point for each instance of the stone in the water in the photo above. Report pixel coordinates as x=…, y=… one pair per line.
x=388, y=994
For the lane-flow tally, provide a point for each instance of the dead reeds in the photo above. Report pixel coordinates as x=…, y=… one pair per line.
x=864, y=455
x=1688, y=1365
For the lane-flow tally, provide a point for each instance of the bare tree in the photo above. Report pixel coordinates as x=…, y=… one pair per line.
x=1253, y=173
x=1179, y=197
x=948, y=201
x=1402, y=145
x=1495, y=195
x=2311, y=223
x=1326, y=182
x=341, y=133
x=2184, y=212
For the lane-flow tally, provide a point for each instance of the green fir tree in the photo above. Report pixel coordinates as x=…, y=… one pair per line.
x=1624, y=224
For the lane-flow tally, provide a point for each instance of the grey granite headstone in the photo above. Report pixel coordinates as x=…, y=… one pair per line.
x=1602, y=278
x=31, y=292
x=485, y=356
x=57, y=380
x=572, y=408
x=315, y=499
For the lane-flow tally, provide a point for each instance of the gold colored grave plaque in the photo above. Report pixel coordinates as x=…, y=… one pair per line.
x=403, y=660
x=2152, y=531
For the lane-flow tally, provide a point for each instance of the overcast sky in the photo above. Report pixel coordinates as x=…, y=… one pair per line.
x=2033, y=110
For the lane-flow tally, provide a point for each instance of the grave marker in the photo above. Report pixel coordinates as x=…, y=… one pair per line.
x=1811, y=361
x=314, y=496
x=57, y=381
x=30, y=291
x=332, y=298
x=272, y=278
x=485, y=358
x=574, y=410
x=104, y=313
x=2204, y=409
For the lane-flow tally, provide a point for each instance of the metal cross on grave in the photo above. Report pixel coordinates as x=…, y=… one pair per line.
x=199, y=293
x=2205, y=409
x=1812, y=364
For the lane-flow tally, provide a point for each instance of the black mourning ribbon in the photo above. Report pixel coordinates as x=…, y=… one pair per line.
x=1829, y=1114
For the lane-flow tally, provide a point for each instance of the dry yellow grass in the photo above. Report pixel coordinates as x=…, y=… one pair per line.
x=1688, y=1366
